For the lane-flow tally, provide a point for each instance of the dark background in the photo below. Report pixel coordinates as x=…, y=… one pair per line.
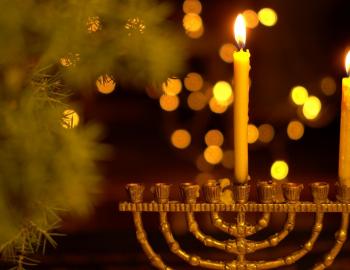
x=307, y=43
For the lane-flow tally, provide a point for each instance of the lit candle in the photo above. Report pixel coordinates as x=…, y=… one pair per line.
x=241, y=66
x=344, y=149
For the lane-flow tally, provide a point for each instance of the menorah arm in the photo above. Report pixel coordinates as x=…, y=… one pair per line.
x=228, y=245
x=232, y=229
x=275, y=239
x=297, y=255
x=340, y=236
x=141, y=235
x=176, y=249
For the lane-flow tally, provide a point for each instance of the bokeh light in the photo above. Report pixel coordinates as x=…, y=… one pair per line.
x=214, y=137
x=105, y=84
x=213, y=154
x=299, y=95
x=228, y=159
x=253, y=133
x=312, y=108
x=192, y=6
x=169, y=103
x=295, y=130
x=192, y=22
x=267, y=17
x=172, y=86
x=180, y=138
x=222, y=92
x=279, y=170
x=216, y=107
x=266, y=133
x=70, y=119
x=251, y=18
x=328, y=86
x=196, y=101
x=193, y=81
x=226, y=52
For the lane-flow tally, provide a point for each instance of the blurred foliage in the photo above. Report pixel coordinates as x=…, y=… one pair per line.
x=134, y=41
x=49, y=50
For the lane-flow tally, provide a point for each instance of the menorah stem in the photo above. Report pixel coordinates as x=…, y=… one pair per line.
x=141, y=235
x=341, y=237
x=229, y=246
x=176, y=249
x=297, y=255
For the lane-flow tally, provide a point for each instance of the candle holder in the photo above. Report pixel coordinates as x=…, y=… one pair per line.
x=268, y=202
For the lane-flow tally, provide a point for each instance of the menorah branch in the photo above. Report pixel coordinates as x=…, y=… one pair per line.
x=275, y=239
x=141, y=235
x=228, y=245
x=174, y=246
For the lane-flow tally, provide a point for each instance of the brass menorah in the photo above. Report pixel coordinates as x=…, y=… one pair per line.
x=240, y=246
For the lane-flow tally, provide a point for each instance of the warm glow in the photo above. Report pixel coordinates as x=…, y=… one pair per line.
x=172, y=86
x=202, y=164
x=105, y=84
x=169, y=103
x=222, y=92
x=267, y=16
x=70, y=119
x=196, y=101
x=228, y=159
x=214, y=137
x=213, y=154
x=266, y=133
x=253, y=133
x=203, y=178
x=240, y=31
x=195, y=34
x=299, y=95
x=70, y=60
x=181, y=138
x=279, y=170
x=226, y=52
x=216, y=107
x=312, y=108
x=328, y=86
x=193, y=81
x=251, y=18
x=347, y=62
x=192, y=6
x=295, y=130
x=192, y=22
x=93, y=24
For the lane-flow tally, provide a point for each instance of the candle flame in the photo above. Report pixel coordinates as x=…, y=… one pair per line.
x=240, y=31
x=347, y=62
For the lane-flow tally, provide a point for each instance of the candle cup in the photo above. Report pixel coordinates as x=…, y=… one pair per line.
x=320, y=192
x=266, y=191
x=241, y=193
x=292, y=192
x=343, y=193
x=135, y=192
x=189, y=192
x=211, y=192
x=161, y=192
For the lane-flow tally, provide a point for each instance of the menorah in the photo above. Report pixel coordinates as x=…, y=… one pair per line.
x=269, y=196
